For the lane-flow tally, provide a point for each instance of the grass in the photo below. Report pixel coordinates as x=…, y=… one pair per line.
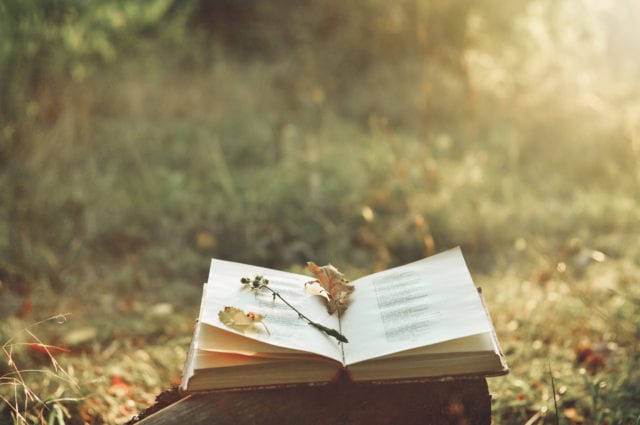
x=21, y=387
x=551, y=323
x=143, y=171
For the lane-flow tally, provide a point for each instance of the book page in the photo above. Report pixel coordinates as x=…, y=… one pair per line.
x=426, y=302
x=283, y=326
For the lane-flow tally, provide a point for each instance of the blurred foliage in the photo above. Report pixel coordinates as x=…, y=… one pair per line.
x=408, y=57
x=137, y=140
x=47, y=42
x=46, y=47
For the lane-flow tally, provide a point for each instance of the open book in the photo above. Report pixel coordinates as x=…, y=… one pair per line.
x=424, y=320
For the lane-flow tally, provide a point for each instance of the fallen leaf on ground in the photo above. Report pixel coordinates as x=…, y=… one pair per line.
x=48, y=350
x=119, y=387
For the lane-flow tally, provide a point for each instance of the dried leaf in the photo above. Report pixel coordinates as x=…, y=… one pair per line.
x=595, y=357
x=49, y=350
x=237, y=319
x=334, y=284
x=119, y=387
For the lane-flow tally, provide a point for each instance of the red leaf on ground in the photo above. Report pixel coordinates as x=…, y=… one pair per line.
x=49, y=350
x=119, y=387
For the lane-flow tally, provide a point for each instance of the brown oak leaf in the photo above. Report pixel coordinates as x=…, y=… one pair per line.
x=334, y=285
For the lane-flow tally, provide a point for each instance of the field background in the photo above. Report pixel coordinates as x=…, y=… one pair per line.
x=140, y=139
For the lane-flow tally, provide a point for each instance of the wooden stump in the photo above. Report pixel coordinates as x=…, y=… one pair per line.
x=338, y=403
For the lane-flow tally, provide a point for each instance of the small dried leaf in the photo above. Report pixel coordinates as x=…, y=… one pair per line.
x=237, y=319
x=335, y=285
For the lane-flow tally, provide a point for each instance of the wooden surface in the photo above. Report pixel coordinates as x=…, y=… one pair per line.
x=341, y=403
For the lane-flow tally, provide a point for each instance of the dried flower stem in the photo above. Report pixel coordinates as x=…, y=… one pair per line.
x=261, y=283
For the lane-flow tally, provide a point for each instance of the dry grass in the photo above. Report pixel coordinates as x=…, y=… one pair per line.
x=22, y=386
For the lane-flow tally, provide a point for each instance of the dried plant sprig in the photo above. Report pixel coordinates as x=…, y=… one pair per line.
x=259, y=282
